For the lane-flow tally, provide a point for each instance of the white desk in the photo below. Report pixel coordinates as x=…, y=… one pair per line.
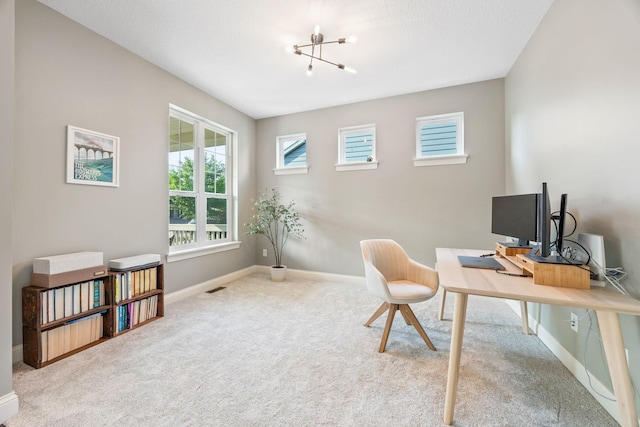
x=606, y=303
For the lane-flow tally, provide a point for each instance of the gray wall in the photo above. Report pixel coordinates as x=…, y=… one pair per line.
x=420, y=207
x=6, y=190
x=572, y=109
x=68, y=75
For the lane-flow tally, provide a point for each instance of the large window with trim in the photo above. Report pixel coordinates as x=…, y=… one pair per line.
x=440, y=140
x=200, y=187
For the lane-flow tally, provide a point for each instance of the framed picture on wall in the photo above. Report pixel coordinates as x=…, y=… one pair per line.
x=93, y=158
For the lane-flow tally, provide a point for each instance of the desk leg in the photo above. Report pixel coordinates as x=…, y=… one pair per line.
x=459, y=316
x=524, y=313
x=614, y=349
x=442, y=300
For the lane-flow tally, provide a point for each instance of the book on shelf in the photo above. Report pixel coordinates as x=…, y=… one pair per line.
x=71, y=300
x=130, y=284
x=76, y=299
x=131, y=314
x=59, y=303
x=51, y=307
x=71, y=336
x=44, y=345
x=147, y=280
x=85, y=297
x=68, y=301
x=44, y=312
x=98, y=293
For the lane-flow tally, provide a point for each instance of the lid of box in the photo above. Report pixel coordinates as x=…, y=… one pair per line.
x=67, y=262
x=134, y=261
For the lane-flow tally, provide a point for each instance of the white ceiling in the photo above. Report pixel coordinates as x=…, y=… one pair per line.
x=235, y=49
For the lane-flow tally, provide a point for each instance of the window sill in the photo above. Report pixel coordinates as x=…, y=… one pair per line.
x=180, y=255
x=342, y=167
x=454, y=159
x=291, y=171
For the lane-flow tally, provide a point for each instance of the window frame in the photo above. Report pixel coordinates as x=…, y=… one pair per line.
x=445, y=159
x=280, y=168
x=202, y=246
x=343, y=164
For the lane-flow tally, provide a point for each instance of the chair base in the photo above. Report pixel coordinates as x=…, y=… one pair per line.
x=409, y=318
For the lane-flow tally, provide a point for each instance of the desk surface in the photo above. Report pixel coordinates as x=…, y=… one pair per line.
x=475, y=281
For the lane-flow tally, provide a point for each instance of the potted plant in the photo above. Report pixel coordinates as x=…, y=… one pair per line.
x=277, y=222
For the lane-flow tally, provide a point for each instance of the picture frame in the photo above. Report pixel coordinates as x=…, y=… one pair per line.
x=93, y=158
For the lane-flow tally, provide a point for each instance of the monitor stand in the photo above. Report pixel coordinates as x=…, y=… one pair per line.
x=551, y=259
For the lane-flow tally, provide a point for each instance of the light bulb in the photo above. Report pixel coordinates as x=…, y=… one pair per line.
x=351, y=70
x=309, y=69
x=316, y=31
x=351, y=39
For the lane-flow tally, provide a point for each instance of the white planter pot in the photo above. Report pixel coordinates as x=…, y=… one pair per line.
x=278, y=274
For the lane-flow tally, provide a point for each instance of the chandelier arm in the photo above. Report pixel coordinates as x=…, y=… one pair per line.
x=319, y=59
x=316, y=44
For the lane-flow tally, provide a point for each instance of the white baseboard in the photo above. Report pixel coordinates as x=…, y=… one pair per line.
x=316, y=275
x=16, y=354
x=219, y=281
x=605, y=397
x=208, y=285
x=8, y=406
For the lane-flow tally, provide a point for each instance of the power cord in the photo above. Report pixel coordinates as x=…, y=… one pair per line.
x=589, y=314
x=612, y=275
x=511, y=274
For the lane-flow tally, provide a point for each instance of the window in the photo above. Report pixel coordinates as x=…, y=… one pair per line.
x=201, y=213
x=291, y=154
x=440, y=140
x=357, y=148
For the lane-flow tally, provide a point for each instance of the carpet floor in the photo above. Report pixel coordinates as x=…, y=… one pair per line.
x=296, y=353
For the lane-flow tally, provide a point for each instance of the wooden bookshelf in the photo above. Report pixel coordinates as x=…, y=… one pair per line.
x=82, y=317
x=138, y=297
x=53, y=329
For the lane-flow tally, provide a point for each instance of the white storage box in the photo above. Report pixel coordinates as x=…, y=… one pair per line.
x=127, y=263
x=69, y=262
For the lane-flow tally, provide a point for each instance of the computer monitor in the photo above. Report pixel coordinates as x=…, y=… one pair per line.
x=560, y=224
x=516, y=217
x=542, y=252
x=528, y=218
x=544, y=222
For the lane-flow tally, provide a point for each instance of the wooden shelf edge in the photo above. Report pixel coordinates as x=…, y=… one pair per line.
x=69, y=353
x=139, y=297
x=65, y=320
x=124, y=331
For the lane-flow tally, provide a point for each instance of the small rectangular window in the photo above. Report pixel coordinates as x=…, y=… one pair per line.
x=291, y=154
x=357, y=148
x=440, y=140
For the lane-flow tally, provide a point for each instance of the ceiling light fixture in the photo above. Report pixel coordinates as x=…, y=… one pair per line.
x=317, y=40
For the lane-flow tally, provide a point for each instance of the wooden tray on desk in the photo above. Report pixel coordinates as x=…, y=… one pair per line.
x=505, y=251
x=561, y=275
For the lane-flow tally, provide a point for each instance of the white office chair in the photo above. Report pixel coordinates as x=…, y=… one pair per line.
x=398, y=280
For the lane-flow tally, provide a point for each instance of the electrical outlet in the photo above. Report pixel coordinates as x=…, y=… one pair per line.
x=264, y=252
x=574, y=322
